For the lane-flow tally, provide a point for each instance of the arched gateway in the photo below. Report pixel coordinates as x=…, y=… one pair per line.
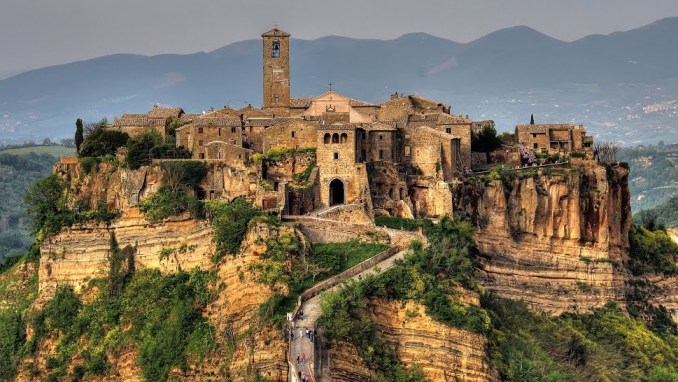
x=336, y=192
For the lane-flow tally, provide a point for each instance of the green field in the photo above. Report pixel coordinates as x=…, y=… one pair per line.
x=56, y=151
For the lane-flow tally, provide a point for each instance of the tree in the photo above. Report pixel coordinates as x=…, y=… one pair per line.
x=139, y=148
x=100, y=141
x=531, y=119
x=46, y=203
x=486, y=141
x=79, y=134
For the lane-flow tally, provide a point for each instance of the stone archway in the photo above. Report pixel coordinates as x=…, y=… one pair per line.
x=336, y=192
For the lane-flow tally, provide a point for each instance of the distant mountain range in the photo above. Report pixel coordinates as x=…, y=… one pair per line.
x=623, y=86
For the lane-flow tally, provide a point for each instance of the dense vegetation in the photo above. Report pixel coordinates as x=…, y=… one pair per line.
x=654, y=174
x=402, y=223
x=652, y=251
x=151, y=145
x=177, y=194
x=17, y=173
x=663, y=215
x=431, y=276
x=606, y=345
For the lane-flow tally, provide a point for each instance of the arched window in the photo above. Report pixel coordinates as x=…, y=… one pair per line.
x=335, y=138
x=275, y=49
x=344, y=137
x=326, y=138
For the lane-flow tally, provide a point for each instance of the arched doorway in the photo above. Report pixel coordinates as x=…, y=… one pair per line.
x=336, y=192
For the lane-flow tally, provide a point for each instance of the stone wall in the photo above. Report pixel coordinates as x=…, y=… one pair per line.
x=294, y=134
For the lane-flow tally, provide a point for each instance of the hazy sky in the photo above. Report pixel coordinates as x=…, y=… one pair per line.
x=36, y=33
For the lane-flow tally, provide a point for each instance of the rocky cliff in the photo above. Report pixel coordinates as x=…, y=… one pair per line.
x=443, y=353
x=554, y=238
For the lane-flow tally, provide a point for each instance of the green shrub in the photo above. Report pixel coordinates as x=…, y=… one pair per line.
x=337, y=257
x=12, y=338
x=166, y=203
x=230, y=222
x=102, y=141
x=577, y=154
x=139, y=148
x=402, y=223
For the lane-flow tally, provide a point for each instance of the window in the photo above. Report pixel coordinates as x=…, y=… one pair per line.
x=534, y=135
x=536, y=146
x=199, y=130
x=220, y=131
x=364, y=135
x=275, y=98
x=381, y=137
x=201, y=155
x=344, y=137
x=233, y=130
x=448, y=130
x=326, y=138
x=296, y=147
x=335, y=138
x=200, y=142
x=407, y=151
x=275, y=49
x=381, y=154
x=336, y=156
x=294, y=133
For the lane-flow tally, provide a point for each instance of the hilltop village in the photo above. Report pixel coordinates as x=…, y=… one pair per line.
x=252, y=214
x=295, y=156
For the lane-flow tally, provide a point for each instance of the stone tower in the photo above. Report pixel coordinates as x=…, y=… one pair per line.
x=277, y=72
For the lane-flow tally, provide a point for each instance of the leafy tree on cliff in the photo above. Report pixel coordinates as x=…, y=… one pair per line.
x=79, y=134
x=100, y=141
x=486, y=141
x=46, y=204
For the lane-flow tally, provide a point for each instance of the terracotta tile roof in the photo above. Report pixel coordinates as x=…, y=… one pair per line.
x=259, y=122
x=300, y=102
x=216, y=121
x=187, y=118
x=275, y=32
x=359, y=103
x=343, y=126
x=544, y=127
x=253, y=112
x=165, y=112
x=139, y=120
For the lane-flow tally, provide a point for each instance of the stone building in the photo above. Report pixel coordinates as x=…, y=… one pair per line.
x=157, y=119
x=399, y=157
x=554, y=138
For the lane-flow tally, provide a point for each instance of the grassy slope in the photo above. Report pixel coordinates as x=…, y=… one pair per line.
x=55, y=151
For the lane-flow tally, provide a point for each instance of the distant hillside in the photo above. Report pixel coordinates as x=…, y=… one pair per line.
x=19, y=169
x=624, y=86
x=654, y=174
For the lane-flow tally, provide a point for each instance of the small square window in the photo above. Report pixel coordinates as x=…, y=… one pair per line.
x=536, y=146
x=199, y=130
x=201, y=155
x=336, y=156
x=448, y=130
x=381, y=137
x=233, y=130
x=294, y=134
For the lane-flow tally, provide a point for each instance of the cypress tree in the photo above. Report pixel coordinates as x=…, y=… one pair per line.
x=79, y=134
x=531, y=119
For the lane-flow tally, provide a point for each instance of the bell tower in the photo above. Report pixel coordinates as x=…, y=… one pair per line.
x=277, y=72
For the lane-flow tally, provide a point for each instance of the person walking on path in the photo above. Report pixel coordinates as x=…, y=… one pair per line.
x=297, y=357
x=303, y=357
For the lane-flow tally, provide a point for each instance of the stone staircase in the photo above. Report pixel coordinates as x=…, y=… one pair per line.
x=309, y=304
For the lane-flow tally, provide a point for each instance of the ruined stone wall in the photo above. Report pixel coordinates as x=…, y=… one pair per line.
x=431, y=198
x=380, y=146
x=462, y=131
x=253, y=137
x=195, y=137
x=389, y=187
x=301, y=201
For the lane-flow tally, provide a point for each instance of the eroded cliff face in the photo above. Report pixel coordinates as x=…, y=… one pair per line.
x=443, y=353
x=556, y=241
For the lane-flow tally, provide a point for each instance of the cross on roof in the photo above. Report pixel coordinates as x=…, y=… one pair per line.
x=330, y=86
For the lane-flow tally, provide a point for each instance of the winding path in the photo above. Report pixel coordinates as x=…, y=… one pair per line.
x=301, y=344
